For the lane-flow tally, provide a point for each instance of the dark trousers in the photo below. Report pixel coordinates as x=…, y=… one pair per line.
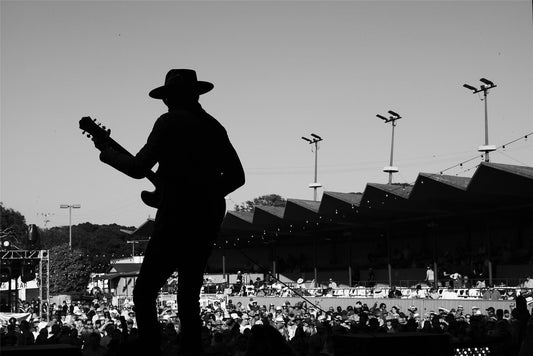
x=181, y=242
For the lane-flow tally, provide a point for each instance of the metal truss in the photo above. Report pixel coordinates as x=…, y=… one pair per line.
x=43, y=279
x=23, y=254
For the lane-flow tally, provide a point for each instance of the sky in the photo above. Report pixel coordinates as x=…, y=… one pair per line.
x=281, y=70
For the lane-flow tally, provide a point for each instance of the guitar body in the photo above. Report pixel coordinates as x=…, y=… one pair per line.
x=96, y=131
x=151, y=199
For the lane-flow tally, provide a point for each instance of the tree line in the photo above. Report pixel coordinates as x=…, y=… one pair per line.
x=94, y=247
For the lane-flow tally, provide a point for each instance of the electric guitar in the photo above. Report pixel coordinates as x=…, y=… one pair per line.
x=97, y=131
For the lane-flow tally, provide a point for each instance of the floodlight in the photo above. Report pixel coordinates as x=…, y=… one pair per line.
x=393, y=113
x=382, y=117
x=469, y=87
x=486, y=81
x=308, y=140
x=316, y=136
x=6, y=243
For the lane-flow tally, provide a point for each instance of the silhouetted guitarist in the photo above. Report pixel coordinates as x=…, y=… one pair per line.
x=198, y=167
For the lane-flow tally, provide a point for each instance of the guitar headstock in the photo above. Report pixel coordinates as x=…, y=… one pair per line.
x=94, y=129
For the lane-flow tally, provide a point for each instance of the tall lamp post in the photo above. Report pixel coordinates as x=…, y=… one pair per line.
x=392, y=119
x=485, y=87
x=314, y=141
x=70, y=207
x=133, y=242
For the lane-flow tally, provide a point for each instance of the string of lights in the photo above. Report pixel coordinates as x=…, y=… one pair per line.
x=504, y=146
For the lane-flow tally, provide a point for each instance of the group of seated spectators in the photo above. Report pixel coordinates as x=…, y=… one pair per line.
x=270, y=286
x=280, y=328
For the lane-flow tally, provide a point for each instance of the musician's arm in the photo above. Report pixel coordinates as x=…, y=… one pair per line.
x=140, y=165
x=232, y=170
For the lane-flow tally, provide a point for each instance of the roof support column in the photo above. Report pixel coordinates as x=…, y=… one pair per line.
x=315, y=261
x=224, y=275
x=389, y=232
x=350, y=261
x=489, y=247
x=433, y=236
x=273, y=254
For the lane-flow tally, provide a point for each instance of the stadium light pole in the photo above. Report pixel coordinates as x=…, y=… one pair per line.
x=392, y=119
x=70, y=207
x=133, y=242
x=314, y=141
x=485, y=87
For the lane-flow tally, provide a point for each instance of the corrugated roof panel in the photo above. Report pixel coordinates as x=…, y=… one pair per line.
x=401, y=190
x=350, y=198
x=454, y=181
x=524, y=171
x=495, y=179
x=238, y=220
x=264, y=215
x=299, y=210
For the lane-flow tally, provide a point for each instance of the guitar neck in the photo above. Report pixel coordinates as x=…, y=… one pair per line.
x=150, y=175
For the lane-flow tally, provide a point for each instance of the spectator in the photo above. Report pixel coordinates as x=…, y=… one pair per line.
x=300, y=284
x=430, y=276
x=12, y=337
x=456, y=280
x=394, y=293
x=42, y=338
x=332, y=284
x=26, y=337
x=53, y=337
x=93, y=347
x=528, y=282
x=466, y=282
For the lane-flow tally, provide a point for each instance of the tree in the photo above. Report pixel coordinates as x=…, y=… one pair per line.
x=13, y=226
x=69, y=272
x=99, y=243
x=263, y=200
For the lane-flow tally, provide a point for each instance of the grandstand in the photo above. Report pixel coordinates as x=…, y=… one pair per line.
x=480, y=227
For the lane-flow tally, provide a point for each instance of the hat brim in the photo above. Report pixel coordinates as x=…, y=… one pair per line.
x=162, y=92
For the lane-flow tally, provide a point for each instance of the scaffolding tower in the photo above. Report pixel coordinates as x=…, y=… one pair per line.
x=10, y=258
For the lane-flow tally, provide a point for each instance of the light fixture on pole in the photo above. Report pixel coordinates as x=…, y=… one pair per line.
x=314, y=141
x=70, y=207
x=390, y=169
x=133, y=242
x=485, y=87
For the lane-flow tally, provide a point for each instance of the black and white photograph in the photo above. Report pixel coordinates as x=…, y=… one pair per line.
x=266, y=177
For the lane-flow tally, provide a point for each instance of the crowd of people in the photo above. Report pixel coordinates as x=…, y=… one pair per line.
x=299, y=329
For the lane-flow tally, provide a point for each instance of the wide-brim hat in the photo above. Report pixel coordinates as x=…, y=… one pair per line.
x=180, y=81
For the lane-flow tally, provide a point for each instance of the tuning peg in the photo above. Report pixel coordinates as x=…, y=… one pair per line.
x=88, y=135
x=94, y=119
x=104, y=128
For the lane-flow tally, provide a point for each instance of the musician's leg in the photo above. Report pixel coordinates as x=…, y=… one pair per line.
x=191, y=275
x=157, y=266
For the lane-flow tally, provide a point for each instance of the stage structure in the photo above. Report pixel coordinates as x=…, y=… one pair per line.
x=23, y=263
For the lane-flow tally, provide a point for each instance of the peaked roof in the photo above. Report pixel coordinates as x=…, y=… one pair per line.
x=265, y=215
x=503, y=180
x=493, y=186
x=143, y=231
x=124, y=267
